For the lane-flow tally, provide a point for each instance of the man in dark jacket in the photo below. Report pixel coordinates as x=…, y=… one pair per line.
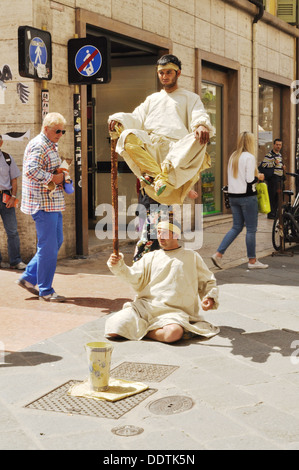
x=272, y=166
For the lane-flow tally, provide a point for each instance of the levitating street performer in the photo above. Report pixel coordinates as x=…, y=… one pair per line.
x=168, y=284
x=164, y=139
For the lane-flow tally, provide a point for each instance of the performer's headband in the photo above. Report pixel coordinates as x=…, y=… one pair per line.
x=168, y=226
x=169, y=66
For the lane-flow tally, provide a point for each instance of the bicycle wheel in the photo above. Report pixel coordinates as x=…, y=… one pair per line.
x=276, y=235
x=288, y=231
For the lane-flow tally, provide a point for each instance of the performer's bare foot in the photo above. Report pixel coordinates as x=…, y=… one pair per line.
x=192, y=194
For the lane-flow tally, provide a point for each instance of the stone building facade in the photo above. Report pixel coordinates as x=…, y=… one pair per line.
x=242, y=65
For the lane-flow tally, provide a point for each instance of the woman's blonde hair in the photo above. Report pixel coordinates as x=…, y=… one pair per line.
x=245, y=144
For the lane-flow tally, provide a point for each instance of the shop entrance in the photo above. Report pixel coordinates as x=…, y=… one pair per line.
x=133, y=78
x=211, y=179
x=219, y=94
x=128, y=88
x=131, y=48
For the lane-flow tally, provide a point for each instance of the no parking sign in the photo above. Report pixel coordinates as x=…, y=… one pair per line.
x=89, y=61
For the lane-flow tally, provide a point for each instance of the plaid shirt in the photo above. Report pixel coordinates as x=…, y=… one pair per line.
x=41, y=159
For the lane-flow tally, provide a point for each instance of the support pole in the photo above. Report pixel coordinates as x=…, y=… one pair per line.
x=78, y=169
x=45, y=93
x=114, y=192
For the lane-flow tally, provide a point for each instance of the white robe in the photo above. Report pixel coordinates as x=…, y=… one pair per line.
x=165, y=122
x=168, y=286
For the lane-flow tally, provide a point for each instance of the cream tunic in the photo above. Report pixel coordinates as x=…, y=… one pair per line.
x=168, y=286
x=165, y=123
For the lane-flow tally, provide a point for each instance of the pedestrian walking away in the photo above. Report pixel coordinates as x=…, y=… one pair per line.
x=164, y=139
x=169, y=283
x=273, y=168
x=9, y=173
x=242, y=176
x=41, y=160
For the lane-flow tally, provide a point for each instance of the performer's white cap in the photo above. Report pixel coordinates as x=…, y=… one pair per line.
x=172, y=227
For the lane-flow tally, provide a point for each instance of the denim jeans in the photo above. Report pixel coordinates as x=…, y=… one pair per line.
x=41, y=269
x=13, y=241
x=245, y=212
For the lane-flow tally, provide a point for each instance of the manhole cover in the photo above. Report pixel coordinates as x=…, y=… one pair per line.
x=142, y=371
x=170, y=405
x=58, y=400
x=127, y=430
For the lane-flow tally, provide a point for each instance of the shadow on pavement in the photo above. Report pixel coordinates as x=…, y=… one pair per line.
x=283, y=271
x=259, y=345
x=26, y=358
x=109, y=305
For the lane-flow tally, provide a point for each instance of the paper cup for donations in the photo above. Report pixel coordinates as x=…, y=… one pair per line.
x=99, y=359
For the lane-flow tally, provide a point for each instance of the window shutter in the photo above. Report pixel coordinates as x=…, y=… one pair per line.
x=286, y=10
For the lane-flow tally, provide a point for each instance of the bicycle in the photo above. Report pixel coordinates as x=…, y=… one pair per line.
x=286, y=225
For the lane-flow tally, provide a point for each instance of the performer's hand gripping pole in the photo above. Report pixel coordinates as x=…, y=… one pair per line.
x=114, y=191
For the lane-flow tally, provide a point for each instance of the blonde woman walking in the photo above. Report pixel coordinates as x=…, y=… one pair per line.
x=242, y=176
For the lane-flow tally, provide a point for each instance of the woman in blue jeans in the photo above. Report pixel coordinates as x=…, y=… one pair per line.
x=242, y=176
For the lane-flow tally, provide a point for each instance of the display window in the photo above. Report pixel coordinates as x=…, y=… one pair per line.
x=211, y=96
x=269, y=117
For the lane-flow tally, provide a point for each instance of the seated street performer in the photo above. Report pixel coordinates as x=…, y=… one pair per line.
x=164, y=139
x=168, y=284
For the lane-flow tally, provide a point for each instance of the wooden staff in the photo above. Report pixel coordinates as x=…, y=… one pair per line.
x=114, y=191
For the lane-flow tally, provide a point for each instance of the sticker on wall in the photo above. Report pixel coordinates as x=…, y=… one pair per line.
x=23, y=92
x=16, y=135
x=5, y=75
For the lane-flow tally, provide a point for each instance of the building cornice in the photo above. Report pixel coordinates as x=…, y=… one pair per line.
x=272, y=20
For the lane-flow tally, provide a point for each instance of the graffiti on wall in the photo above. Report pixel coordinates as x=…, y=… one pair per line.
x=22, y=89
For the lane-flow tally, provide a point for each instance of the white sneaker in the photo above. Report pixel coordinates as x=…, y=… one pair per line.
x=258, y=265
x=217, y=261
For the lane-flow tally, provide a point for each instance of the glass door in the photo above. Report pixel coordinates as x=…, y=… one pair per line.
x=211, y=179
x=270, y=99
x=128, y=88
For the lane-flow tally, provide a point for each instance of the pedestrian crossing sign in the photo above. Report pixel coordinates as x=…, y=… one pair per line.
x=35, y=53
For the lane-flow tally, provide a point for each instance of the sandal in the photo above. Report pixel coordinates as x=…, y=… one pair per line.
x=147, y=179
x=159, y=188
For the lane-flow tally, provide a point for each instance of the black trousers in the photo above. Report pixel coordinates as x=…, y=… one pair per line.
x=273, y=186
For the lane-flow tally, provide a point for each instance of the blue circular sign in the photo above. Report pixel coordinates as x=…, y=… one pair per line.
x=38, y=52
x=88, y=60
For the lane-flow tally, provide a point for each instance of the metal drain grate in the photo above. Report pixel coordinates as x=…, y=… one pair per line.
x=127, y=430
x=58, y=400
x=142, y=371
x=171, y=405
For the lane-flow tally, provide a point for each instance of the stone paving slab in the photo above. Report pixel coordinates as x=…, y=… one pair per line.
x=243, y=382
